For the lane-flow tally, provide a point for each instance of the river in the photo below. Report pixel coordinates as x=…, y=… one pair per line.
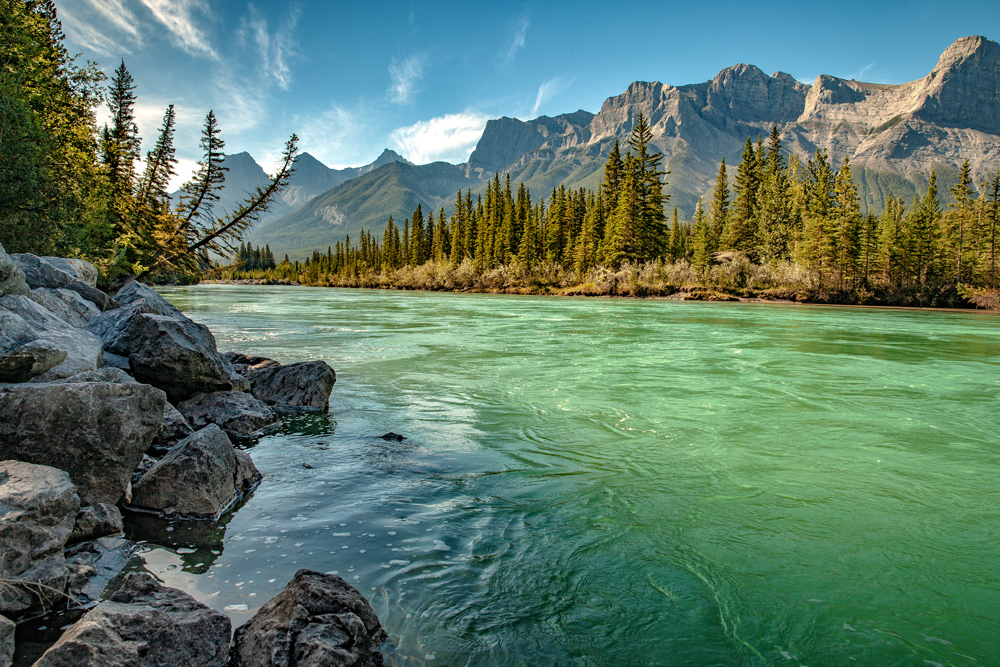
x=621, y=482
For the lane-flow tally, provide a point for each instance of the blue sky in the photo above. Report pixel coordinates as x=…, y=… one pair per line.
x=351, y=78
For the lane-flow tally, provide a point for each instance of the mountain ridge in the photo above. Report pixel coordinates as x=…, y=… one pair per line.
x=893, y=134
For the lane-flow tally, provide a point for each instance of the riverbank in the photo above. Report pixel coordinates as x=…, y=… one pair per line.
x=947, y=298
x=114, y=406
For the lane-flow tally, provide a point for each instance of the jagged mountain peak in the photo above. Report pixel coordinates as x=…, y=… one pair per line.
x=963, y=90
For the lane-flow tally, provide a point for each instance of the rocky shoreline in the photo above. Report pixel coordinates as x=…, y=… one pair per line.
x=112, y=404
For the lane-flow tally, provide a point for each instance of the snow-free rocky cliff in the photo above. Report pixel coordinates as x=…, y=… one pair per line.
x=894, y=135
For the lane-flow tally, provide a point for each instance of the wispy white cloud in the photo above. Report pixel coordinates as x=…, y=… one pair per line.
x=330, y=136
x=451, y=137
x=404, y=77
x=237, y=103
x=117, y=14
x=548, y=90
x=274, y=50
x=517, y=43
x=184, y=19
x=860, y=74
x=84, y=32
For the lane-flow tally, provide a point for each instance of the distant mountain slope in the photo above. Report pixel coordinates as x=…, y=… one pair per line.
x=894, y=135
x=366, y=203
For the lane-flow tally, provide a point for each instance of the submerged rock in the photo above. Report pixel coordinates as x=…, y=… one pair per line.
x=144, y=624
x=301, y=386
x=239, y=414
x=38, y=505
x=95, y=431
x=201, y=477
x=319, y=620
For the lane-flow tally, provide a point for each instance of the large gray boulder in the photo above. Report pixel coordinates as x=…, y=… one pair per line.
x=11, y=276
x=95, y=431
x=7, y=628
x=175, y=354
x=239, y=414
x=319, y=620
x=94, y=521
x=175, y=428
x=30, y=322
x=144, y=624
x=38, y=507
x=83, y=271
x=135, y=298
x=44, y=272
x=304, y=386
x=28, y=361
x=201, y=478
x=146, y=299
x=67, y=305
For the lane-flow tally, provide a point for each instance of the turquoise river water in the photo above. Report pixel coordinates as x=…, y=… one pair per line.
x=621, y=482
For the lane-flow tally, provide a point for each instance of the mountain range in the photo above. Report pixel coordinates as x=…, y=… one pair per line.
x=893, y=135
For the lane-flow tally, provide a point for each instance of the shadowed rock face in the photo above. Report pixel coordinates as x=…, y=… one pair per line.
x=302, y=386
x=102, y=428
x=201, y=477
x=144, y=624
x=39, y=506
x=319, y=620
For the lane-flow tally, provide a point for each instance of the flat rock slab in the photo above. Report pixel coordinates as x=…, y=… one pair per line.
x=319, y=620
x=301, y=386
x=200, y=478
x=38, y=509
x=239, y=414
x=144, y=624
x=95, y=431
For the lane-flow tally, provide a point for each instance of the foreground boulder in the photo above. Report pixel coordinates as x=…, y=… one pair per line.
x=25, y=321
x=95, y=431
x=135, y=298
x=56, y=272
x=177, y=355
x=67, y=305
x=94, y=521
x=302, y=386
x=319, y=620
x=144, y=624
x=239, y=414
x=6, y=641
x=38, y=507
x=201, y=478
x=28, y=361
x=175, y=428
x=11, y=276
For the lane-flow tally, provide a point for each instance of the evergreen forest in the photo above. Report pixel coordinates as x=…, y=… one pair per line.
x=780, y=229
x=73, y=189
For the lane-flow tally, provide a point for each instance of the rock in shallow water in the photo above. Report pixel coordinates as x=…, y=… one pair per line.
x=175, y=354
x=319, y=620
x=201, y=477
x=95, y=431
x=144, y=624
x=239, y=414
x=301, y=386
x=38, y=507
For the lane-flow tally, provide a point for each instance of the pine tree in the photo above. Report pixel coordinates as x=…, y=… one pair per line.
x=741, y=233
x=924, y=232
x=960, y=220
x=847, y=224
x=775, y=201
x=720, y=204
